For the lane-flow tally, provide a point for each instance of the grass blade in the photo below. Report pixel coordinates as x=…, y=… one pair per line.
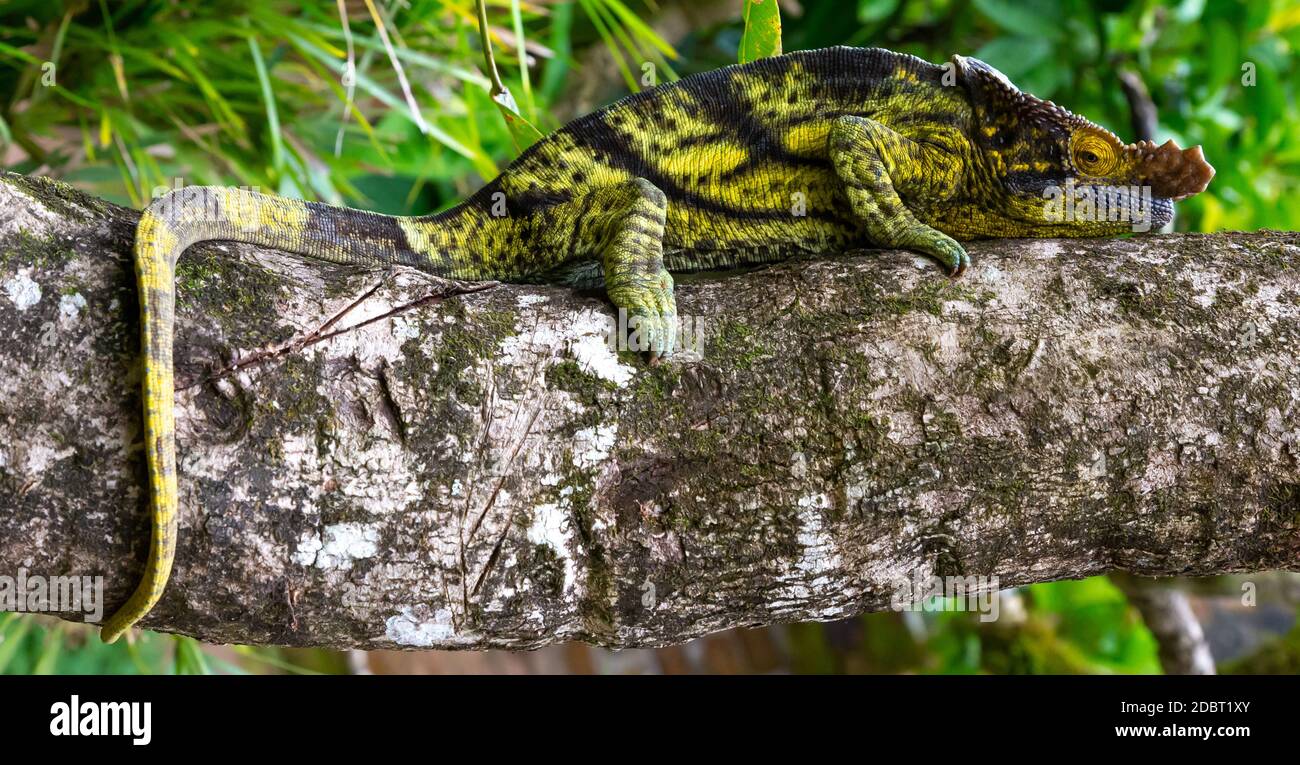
x=268, y=97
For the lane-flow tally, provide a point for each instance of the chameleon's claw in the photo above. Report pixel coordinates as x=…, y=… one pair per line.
x=656, y=335
x=652, y=319
x=962, y=264
x=950, y=253
x=939, y=246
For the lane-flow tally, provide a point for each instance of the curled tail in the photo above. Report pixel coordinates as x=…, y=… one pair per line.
x=201, y=213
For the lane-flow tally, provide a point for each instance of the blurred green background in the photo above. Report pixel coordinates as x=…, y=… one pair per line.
x=125, y=98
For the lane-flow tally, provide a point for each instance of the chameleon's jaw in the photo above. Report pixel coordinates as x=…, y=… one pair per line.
x=1162, y=211
x=1076, y=209
x=1172, y=173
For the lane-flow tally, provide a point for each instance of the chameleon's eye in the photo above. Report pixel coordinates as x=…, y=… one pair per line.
x=1093, y=154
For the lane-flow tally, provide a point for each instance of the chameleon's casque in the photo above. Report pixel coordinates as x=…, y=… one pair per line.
x=812, y=152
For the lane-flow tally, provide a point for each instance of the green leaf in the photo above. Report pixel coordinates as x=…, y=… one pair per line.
x=1189, y=11
x=49, y=655
x=875, y=10
x=370, y=86
x=1017, y=57
x=13, y=629
x=639, y=29
x=522, y=131
x=409, y=56
x=562, y=43
x=517, y=25
x=762, y=37
x=1095, y=626
x=1031, y=18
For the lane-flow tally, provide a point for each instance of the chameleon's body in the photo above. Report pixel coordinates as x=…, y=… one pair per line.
x=812, y=152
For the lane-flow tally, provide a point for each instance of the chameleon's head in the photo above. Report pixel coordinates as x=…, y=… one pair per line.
x=1054, y=173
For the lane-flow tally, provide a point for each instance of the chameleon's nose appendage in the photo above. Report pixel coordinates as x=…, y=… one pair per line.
x=1173, y=173
x=1202, y=172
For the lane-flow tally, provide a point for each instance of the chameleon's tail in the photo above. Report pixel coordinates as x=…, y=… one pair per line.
x=195, y=214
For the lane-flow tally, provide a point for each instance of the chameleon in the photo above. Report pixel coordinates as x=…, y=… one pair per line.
x=808, y=153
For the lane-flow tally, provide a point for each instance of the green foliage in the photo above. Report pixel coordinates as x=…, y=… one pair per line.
x=141, y=95
x=41, y=645
x=521, y=130
x=1072, y=627
x=762, y=37
x=629, y=38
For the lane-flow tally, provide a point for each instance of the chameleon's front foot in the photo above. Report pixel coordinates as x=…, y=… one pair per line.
x=928, y=241
x=943, y=248
x=874, y=162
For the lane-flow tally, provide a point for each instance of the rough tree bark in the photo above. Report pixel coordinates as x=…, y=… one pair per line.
x=364, y=463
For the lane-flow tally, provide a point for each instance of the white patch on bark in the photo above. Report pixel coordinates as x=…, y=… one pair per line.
x=587, y=338
x=1007, y=292
x=593, y=352
x=1043, y=249
x=22, y=291
x=551, y=527
x=819, y=558
x=339, y=546
x=403, y=329
x=309, y=545
x=410, y=627
x=591, y=446
x=41, y=454
x=799, y=465
x=548, y=526
x=1206, y=284
x=70, y=307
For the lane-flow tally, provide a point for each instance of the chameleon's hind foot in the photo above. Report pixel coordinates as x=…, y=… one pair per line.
x=651, y=314
x=635, y=278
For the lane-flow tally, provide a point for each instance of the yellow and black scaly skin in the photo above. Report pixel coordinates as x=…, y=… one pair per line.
x=811, y=152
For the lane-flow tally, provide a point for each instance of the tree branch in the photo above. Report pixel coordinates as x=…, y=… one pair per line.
x=421, y=468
